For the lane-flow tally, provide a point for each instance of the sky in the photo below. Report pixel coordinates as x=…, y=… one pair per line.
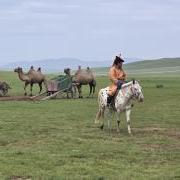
x=88, y=29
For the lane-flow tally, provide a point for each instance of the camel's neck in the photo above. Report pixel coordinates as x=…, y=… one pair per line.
x=22, y=76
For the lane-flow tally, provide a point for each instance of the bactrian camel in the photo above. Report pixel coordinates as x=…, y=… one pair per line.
x=85, y=77
x=32, y=77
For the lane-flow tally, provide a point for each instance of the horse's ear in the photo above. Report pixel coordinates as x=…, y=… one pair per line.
x=133, y=81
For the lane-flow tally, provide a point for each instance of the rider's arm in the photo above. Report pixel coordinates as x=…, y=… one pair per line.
x=124, y=76
x=112, y=75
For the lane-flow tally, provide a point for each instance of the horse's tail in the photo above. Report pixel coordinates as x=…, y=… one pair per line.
x=100, y=112
x=98, y=115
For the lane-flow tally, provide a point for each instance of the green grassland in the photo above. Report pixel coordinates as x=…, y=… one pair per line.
x=57, y=139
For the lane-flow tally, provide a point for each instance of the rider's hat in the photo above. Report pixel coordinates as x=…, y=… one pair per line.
x=118, y=59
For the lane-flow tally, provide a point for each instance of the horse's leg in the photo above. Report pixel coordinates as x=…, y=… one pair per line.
x=118, y=121
x=100, y=114
x=25, y=85
x=128, y=113
x=110, y=116
x=102, y=117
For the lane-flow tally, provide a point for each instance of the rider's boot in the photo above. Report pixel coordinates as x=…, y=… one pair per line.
x=110, y=101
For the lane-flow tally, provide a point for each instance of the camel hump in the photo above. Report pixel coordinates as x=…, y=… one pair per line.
x=83, y=76
x=39, y=69
x=37, y=75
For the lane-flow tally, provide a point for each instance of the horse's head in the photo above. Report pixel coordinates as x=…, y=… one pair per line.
x=137, y=91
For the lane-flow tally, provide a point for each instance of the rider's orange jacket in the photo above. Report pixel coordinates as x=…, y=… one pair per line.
x=115, y=74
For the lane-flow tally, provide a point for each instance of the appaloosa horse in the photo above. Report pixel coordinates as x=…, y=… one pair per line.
x=123, y=102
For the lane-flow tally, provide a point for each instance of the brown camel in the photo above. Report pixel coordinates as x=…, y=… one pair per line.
x=85, y=77
x=32, y=77
x=4, y=87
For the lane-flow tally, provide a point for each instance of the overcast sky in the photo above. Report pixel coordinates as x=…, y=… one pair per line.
x=88, y=29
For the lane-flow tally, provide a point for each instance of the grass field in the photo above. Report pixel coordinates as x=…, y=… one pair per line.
x=58, y=139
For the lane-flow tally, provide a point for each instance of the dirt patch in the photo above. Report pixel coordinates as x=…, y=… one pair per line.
x=174, y=133
x=148, y=129
x=16, y=98
x=20, y=178
x=161, y=146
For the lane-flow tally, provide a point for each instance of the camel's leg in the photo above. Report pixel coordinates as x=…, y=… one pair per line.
x=90, y=89
x=93, y=89
x=128, y=112
x=80, y=90
x=40, y=87
x=25, y=85
x=31, y=88
x=73, y=91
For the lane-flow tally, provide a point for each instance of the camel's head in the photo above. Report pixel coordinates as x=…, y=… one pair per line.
x=18, y=69
x=67, y=71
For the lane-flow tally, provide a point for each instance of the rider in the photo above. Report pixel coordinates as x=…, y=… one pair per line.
x=117, y=77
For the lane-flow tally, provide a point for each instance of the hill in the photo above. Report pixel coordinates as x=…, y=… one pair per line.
x=51, y=65
x=164, y=65
x=58, y=65
x=169, y=65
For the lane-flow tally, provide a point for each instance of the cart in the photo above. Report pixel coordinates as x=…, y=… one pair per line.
x=59, y=86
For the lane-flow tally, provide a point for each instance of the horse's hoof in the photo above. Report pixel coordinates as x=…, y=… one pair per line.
x=80, y=97
x=25, y=94
x=130, y=134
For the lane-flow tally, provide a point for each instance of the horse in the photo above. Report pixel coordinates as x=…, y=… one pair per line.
x=123, y=102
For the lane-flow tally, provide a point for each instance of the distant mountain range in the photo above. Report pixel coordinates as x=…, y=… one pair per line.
x=57, y=65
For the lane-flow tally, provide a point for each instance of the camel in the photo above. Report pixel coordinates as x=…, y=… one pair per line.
x=84, y=77
x=32, y=77
x=4, y=87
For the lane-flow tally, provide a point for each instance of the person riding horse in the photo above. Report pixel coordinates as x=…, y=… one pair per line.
x=117, y=76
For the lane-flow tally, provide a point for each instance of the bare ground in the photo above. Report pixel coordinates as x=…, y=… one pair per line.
x=16, y=98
